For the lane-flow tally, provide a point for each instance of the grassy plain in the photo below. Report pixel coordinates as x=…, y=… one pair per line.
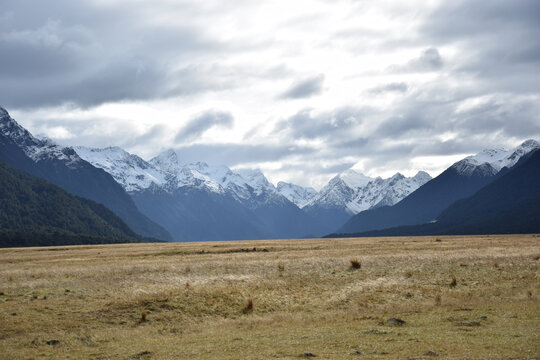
x=460, y=297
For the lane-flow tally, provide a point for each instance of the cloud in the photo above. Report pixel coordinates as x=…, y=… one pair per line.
x=390, y=87
x=309, y=124
x=429, y=60
x=238, y=154
x=304, y=88
x=78, y=53
x=203, y=122
x=498, y=42
x=462, y=77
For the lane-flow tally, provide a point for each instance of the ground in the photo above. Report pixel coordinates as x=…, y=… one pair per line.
x=460, y=297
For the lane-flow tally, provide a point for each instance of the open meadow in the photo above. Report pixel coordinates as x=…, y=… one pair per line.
x=460, y=297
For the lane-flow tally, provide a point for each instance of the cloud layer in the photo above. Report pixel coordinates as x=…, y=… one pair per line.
x=315, y=87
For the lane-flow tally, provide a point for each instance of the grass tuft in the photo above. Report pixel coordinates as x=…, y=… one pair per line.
x=144, y=314
x=355, y=264
x=248, y=306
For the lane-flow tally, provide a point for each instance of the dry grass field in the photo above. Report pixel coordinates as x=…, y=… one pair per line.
x=460, y=298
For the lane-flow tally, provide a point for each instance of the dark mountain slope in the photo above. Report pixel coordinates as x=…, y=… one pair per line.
x=197, y=214
x=36, y=212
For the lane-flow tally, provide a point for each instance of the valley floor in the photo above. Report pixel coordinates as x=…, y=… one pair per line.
x=460, y=297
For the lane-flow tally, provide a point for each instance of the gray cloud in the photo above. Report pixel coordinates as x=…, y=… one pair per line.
x=198, y=125
x=463, y=20
x=84, y=54
x=306, y=124
x=305, y=88
x=391, y=87
x=429, y=60
x=237, y=154
x=499, y=42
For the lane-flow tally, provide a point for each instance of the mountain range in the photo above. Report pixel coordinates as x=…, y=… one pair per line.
x=350, y=192
x=461, y=180
x=167, y=199
x=203, y=202
x=510, y=204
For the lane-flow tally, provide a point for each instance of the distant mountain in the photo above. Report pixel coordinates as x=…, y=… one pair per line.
x=350, y=192
x=459, y=181
x=508, y=205
x=296, y=194
x=34, y=212
x=201, y=202
x=63, y=167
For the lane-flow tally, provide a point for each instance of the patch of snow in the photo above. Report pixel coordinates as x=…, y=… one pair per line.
x=296, y=194
x=496, y=159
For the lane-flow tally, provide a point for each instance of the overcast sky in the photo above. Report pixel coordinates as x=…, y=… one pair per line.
x=301, y=89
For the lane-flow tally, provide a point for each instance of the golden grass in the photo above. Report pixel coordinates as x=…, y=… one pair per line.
x=461, y=298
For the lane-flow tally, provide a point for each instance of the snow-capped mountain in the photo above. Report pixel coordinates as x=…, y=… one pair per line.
x=355, y=192
x=493, y=160
x=63, y=167
x=167, y=172
x=459, y=181
x=351, y=192
x=201, y=201
x=386, y=192
x=130, y=171
x=34, y=148
x=295, y=193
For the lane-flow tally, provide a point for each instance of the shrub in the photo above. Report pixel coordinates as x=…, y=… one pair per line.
x=355, y=264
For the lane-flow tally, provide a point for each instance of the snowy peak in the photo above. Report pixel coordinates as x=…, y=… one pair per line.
x=354, y=179
x=422, y=177
x=36, y=149
x=130, y=171
x=296, y=194
x=257, y=181
x=493, y=160
x=355, y=192
x=166, y=172
x=166, y=161
x=11, y=129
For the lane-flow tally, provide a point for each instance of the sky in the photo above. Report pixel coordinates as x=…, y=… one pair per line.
x=300, y=89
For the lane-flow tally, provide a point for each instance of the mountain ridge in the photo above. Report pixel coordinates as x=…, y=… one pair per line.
x=460, y=180
x=63, y=167
x=510, y=204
